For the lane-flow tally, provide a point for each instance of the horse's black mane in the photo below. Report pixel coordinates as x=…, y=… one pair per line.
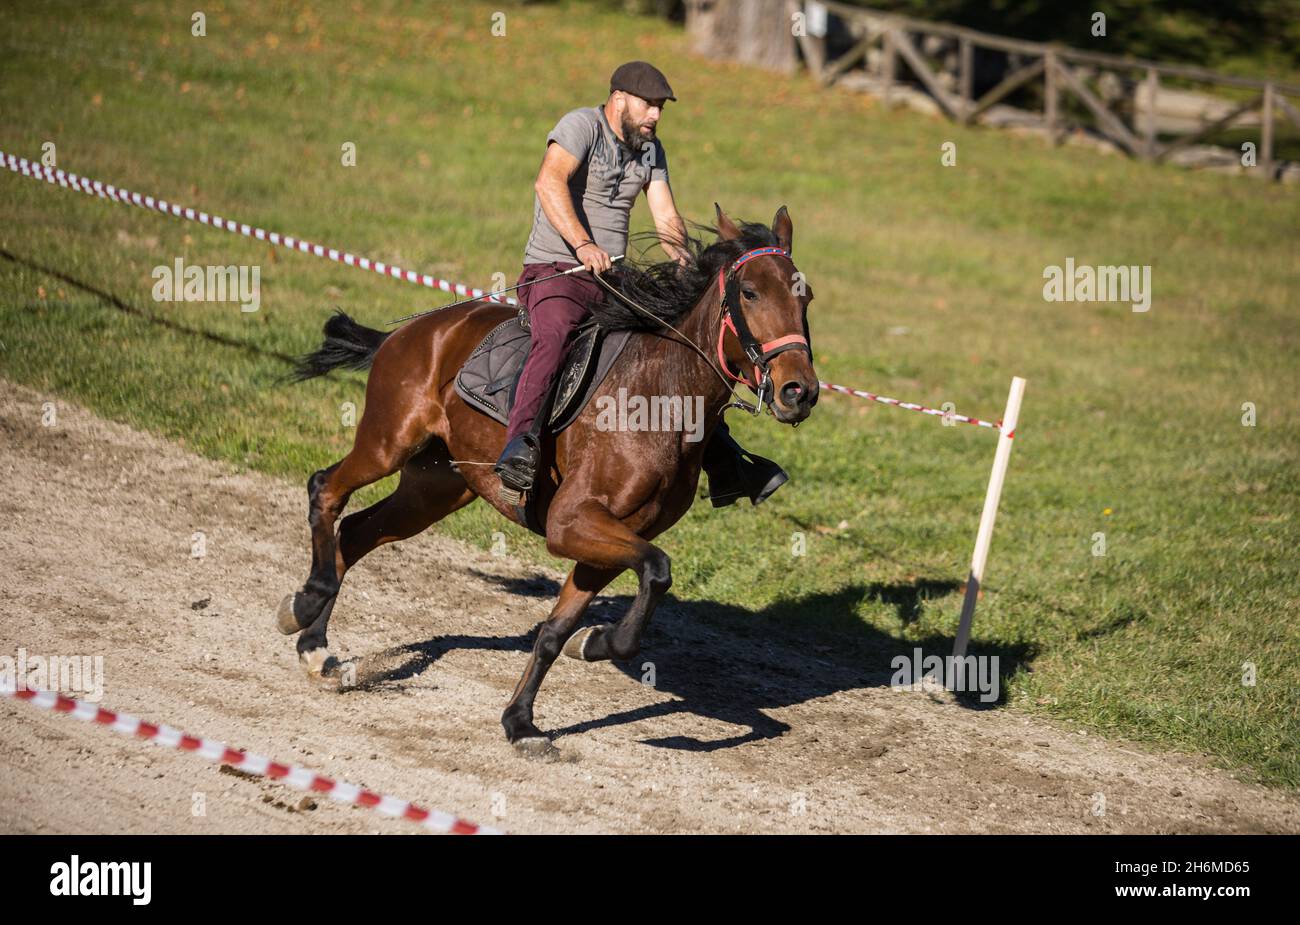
x=667, y=289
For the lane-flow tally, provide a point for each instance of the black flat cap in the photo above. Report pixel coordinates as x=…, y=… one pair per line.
x=643, y=79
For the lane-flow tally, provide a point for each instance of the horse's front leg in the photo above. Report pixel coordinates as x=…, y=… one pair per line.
x=603, y=546
x=580, y=588
x=594, y=534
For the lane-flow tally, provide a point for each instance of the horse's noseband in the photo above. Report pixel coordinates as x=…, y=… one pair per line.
x=760, y=355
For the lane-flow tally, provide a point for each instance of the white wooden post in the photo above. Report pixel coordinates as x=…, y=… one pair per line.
x=985, y=536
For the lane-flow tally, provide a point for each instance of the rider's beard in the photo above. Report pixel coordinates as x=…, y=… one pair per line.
x=633, y=138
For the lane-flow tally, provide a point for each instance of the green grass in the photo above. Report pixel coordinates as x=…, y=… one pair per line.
x=928, y=284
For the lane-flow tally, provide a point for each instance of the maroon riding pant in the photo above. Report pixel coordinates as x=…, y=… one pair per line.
x=555, y=309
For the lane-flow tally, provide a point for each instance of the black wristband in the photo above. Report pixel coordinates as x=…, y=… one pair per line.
x=583, y=244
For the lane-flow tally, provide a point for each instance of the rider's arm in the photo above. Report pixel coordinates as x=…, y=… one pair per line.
x=552, y=188
x=659, y=196
x=668, y=223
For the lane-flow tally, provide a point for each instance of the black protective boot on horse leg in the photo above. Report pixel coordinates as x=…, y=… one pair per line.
x=302, y=609
x=733, y=471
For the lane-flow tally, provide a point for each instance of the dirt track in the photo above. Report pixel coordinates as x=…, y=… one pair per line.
x=740, y=734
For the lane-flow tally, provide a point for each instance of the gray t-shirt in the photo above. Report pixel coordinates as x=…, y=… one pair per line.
x=604, y=187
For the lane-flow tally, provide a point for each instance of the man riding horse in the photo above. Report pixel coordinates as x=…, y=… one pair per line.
x=597, y=159
x=737, y=312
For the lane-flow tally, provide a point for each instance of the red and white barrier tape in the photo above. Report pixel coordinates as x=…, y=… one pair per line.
x=913, y=406
x=298, y=777
x=109, y=191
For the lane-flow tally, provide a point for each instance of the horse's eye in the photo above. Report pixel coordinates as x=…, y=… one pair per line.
x=749, y=294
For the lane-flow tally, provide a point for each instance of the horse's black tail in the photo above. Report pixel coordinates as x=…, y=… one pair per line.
x=347, y=345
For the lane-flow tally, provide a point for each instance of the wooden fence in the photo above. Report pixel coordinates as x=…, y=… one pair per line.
x=1119, y=92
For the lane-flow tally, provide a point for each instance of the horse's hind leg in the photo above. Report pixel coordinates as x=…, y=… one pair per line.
x=428, y=491
x=373, y=457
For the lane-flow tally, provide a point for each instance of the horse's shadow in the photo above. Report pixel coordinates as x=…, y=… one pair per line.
x=731, y=665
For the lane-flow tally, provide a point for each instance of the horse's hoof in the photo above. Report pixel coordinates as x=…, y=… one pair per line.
x=285, y=621
x=576, y=647
x=321, y=666
x=535, y=747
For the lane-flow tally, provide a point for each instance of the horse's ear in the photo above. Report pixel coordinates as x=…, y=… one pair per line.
x=726, y=228
x=783, y=228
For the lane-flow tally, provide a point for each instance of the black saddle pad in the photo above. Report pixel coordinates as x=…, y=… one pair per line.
x=486, y=381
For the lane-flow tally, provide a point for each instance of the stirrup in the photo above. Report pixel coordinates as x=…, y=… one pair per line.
x=513, y=482
x=510, y=496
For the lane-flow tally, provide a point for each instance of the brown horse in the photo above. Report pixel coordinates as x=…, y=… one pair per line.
x=602, y=494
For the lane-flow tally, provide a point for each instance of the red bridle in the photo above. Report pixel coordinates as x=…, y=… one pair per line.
x=732, y=320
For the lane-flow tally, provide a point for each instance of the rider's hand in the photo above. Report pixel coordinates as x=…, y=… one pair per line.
x=593, y=258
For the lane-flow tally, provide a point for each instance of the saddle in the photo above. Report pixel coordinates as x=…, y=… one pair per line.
x=488, y=380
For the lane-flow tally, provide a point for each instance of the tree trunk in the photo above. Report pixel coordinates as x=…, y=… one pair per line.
x=754, y=32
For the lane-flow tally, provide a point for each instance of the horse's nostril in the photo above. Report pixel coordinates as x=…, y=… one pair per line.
x=791, y=393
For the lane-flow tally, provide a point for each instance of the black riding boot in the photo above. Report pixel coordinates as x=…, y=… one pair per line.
x=733, y=471
x=518, y=463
